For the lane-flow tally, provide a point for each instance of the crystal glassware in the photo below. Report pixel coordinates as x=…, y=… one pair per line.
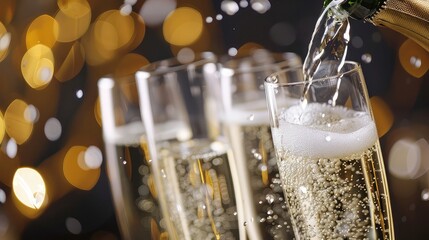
x=329, y=155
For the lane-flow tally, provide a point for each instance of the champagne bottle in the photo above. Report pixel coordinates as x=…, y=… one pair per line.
x=408, y=17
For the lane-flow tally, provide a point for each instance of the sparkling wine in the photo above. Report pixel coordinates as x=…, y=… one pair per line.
x=198, y=183
x=249, y=132
x=329, y=43
x=129, y=169
x=328, y=160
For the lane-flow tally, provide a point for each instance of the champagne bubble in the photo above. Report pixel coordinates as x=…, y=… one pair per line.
x=270, y=198
x=251, y=117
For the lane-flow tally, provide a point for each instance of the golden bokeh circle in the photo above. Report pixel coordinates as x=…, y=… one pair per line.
x=2, y=127
x=41, y=31
x=37, y=66
x=383, y=115
x=84, y=179
x=73, y=18
x=183, y=26
x=72, y=64
x=4, y=43
x=16, y=125
x=114, y=30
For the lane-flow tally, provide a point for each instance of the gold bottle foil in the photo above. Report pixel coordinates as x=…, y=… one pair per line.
x=409, y=17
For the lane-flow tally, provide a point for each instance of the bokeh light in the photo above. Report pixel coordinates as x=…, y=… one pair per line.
x=73, y=225
x=73, y=18
x=129, y=64
x=185, y=55
x=382, y=114
x=283, y=34
x=139, y=31
x=2, y=127
x=7, y=10
x=93, y=158
x=29, y=187
x=17, y=126
x=244, y=3
x=5, y=38
x=260, y=6
x=232, y=52
x=229, y=7
x=357, y=42
x=97, y=111
x=183, y=26
x=72, y=63
x=31, y=113
x=126, y=9
x=53, y=129
x=209, y=19
x=425, y=195
x=248, y=48
x=83, y=178
x=2, y=196
x=409, y=159
x=11, y=148
x=414, y=59
x=155, y=11
x=37, y=66
x=114, y=30
x=79, y=93
x=111, y=34
x=366, y=58
x=41, y=31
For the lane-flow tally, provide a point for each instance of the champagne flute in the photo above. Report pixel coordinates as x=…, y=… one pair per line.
x=200, y=192
x=128, y=165
x=328, y=153
x=244, y=117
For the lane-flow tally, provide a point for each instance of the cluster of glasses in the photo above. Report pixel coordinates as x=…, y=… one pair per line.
x=224, y=148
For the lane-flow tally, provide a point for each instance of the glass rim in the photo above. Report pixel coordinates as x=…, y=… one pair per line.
x=267, y=81
x=174, y=64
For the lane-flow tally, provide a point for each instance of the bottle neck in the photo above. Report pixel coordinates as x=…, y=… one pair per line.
x=360, y=9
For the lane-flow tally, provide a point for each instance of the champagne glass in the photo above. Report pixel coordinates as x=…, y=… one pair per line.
x=244, y=117
x=328, y=154
x=128, y=165
x=200, y=193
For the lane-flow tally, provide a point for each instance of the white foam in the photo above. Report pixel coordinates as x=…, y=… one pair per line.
x=322, y=131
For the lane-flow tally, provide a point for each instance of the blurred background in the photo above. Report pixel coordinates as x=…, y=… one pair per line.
x=53, y=183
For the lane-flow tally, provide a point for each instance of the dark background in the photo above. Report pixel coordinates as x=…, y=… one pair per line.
x=285, y=27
